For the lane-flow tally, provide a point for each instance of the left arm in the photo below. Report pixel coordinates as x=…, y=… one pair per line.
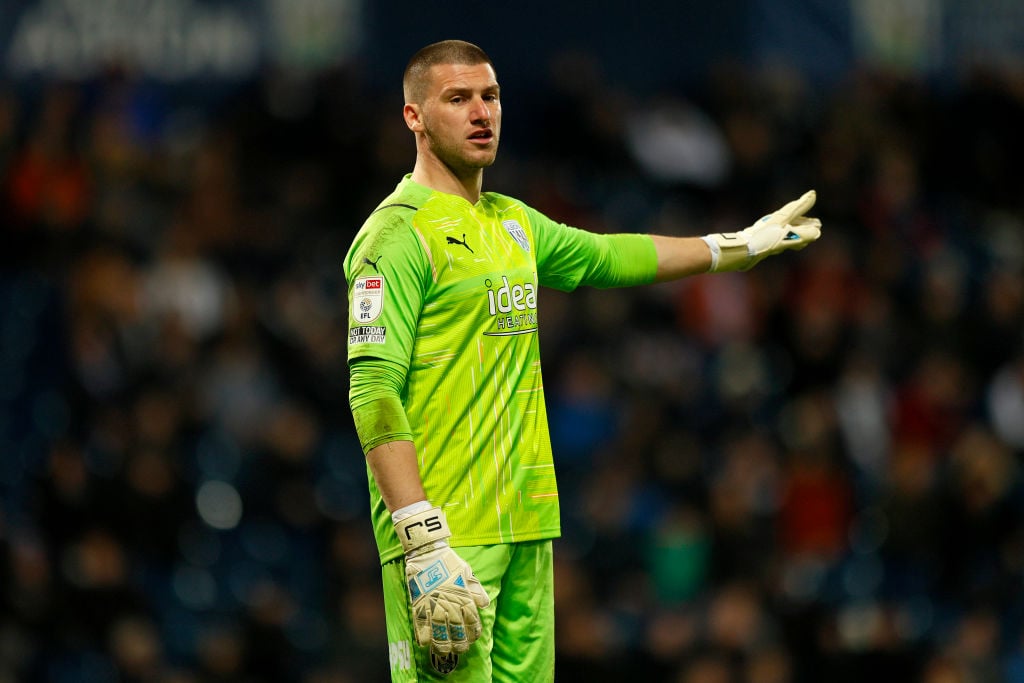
x=568, y=257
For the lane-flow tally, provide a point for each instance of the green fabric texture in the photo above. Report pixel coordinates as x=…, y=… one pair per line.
x=448, y=292
x=377, y=410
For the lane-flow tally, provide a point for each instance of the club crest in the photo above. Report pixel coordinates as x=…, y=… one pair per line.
x=444, y=664
x=518, y=234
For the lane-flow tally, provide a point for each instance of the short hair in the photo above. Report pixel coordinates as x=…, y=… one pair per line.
x=414, y=79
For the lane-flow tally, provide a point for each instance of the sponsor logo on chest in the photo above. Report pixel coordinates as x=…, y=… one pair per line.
x=512, y=306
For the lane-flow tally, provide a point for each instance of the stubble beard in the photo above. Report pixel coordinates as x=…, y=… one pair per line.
x=454, y=155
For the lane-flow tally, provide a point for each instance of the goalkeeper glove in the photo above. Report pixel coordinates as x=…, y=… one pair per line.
x=787, y=228
x=444, y=595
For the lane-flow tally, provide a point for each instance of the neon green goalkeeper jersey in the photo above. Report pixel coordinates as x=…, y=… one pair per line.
x=449, y=290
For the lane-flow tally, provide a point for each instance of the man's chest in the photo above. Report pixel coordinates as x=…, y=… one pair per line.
x=485, y=274
x=465, y=250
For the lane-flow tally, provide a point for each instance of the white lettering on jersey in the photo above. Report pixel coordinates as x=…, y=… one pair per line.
x=513, y=308
x=400, y=654
x=367, y=334
x=510, y=297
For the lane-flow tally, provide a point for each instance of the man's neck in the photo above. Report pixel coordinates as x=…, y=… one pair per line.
x=430, y=172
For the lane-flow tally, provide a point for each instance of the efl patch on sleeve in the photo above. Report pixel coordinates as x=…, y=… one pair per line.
x=368, y=299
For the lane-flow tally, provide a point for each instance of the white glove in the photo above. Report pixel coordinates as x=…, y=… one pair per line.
x=444, y=595
x=787, y=228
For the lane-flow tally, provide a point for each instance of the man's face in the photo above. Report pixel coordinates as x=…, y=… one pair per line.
x=461, y=115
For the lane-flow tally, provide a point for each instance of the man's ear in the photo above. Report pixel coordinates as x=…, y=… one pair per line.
x=413, y=120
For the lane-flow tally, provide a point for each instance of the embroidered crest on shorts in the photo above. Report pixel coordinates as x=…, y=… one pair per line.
x=367, y=298
x=444, y=664
x=518, y=234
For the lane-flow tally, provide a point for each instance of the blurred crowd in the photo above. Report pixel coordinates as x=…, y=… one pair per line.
x=808, y=472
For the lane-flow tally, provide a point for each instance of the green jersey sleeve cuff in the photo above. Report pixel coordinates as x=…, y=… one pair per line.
x=624, y=260
x=377, y=410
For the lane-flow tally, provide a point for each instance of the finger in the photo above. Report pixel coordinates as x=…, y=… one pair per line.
x=806, y=220
x=421, y=624
x=456, y=613
x=794, y=209
x=803, y=231
x=440, y=640
x=471, y=619
x=460, y=646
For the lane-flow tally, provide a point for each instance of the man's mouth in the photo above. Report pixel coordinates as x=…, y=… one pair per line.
x=482, y=136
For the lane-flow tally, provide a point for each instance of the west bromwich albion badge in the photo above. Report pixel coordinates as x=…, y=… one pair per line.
x=518, y=234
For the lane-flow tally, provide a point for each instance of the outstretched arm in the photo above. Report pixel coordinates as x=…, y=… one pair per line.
x=622, y=260
x=569, y=257
x=787, y=228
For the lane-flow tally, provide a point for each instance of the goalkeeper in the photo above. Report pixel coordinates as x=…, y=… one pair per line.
x=446, y=391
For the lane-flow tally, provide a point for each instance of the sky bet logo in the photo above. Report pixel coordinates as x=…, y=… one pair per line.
x=367, y=298
x=513, y=307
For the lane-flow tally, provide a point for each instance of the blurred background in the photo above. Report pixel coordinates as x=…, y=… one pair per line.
x=809, y=472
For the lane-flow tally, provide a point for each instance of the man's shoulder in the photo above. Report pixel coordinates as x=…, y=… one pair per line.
x=395, y=210
x=389, y=214
x=386, y=222
x=387, y=228
x=405, y=200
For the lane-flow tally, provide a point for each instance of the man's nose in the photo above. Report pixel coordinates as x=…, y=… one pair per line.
x=480, y=110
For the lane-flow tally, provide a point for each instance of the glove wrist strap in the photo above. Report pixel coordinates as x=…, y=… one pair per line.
x=410, y=510
x=729, y=251
x=427, y=528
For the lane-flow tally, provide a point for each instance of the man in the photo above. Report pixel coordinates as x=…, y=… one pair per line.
x=446, y=389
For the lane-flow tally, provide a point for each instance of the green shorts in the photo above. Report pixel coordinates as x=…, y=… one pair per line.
x=518, y=639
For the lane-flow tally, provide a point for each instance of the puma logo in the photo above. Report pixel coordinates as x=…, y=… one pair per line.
x=452, y=240
x=373, y=264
